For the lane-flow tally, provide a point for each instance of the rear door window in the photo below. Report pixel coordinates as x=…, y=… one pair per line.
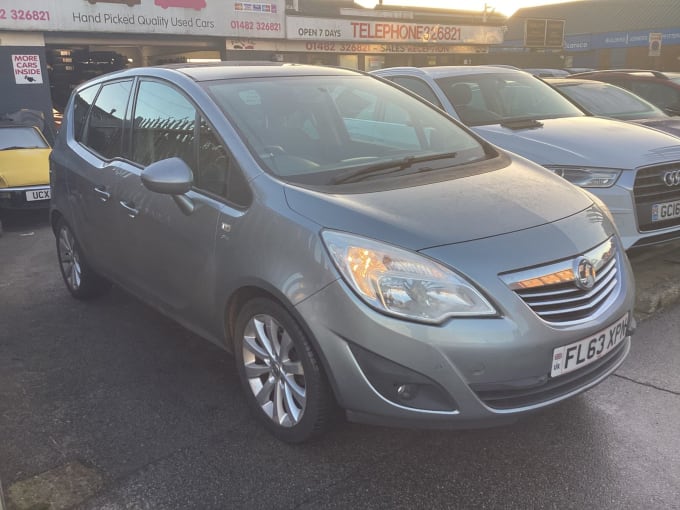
x=106, y=122
x=418, y=86
x=81, y=107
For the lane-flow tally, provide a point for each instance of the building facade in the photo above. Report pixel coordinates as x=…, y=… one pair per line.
x=602, y=34
x=47, y=47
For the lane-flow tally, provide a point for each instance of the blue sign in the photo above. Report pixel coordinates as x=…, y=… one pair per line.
x=633, y=39
x=577, y=43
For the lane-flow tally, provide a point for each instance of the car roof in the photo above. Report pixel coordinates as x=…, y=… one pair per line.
x=446, y=71
x=232, y=70
x=642, y=73
x=574, y=81
x=545, y=72
x=12, y=124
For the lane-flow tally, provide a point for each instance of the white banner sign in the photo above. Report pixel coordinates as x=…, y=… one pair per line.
x=325, y=29
x=27, y=69
x=351, y=47
x=262, y=19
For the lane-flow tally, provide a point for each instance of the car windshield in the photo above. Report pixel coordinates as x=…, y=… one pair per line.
x=336, y=129
x=17, y=137
x=498, y=98
x=610, y=101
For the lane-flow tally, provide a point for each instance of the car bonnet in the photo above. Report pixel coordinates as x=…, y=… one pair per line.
x=516, y=197
x=24, y=167
x=587, y=141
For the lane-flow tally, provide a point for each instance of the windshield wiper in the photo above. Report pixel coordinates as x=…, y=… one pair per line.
x=522, y=123
x=388, y=167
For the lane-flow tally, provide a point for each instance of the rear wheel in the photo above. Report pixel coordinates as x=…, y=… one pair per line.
x=283, y=379
x=81, y=280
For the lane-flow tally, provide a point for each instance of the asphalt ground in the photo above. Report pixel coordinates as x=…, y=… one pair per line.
x=108, y=405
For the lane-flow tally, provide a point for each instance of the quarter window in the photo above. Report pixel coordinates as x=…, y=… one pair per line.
x=216, y=172
x=105, y=126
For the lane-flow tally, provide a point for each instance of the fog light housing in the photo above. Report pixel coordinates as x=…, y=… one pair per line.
x=407, y=391
x=402, y=385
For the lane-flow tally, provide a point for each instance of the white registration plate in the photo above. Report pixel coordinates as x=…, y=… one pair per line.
x=666, y=211
x=38, y=194
x=584, y=352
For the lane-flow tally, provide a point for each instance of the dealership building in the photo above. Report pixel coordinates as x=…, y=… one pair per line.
x=602, y=34
x=49, y=46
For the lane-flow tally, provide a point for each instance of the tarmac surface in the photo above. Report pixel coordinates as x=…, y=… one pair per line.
x=657, y=278
x=109, y=405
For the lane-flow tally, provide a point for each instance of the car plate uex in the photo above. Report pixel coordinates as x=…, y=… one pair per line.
x=584, y=352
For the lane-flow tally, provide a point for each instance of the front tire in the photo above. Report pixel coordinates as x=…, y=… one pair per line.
x=80, y=279
x=281, y=374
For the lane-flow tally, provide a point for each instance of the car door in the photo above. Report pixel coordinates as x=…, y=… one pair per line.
x=171, y=254
x=95, y=170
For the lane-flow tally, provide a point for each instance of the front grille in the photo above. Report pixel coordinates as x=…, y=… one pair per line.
x=552, y=388
x=555, y=293
x=649, y=190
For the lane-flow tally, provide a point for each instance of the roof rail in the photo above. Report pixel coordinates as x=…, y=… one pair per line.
x=656, y=74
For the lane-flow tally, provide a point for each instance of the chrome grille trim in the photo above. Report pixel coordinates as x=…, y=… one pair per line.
x=605, y=273
x=649, y=189
x=551, y=291
x=602, y=294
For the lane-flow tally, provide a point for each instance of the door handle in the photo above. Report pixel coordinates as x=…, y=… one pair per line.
x=103, y=194
x=131, y=211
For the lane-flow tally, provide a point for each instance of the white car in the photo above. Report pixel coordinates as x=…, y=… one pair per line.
x=634, y=170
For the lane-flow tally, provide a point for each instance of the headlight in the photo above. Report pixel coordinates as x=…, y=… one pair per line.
x=587, y=177
x=403, y=283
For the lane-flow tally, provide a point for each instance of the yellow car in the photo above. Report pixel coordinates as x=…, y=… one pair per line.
x=24, y=167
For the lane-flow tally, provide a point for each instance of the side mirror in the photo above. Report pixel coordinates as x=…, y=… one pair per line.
x=170, y=176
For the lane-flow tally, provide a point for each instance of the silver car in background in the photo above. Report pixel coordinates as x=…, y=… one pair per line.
x=607, y=100
x=349, y=243
x=630, y=168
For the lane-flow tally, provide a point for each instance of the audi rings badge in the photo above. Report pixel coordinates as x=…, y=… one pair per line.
x=672, y=178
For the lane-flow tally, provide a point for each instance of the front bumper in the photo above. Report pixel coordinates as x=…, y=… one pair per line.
x=620, y=200
x=468, y=372
x=460, y=359
x=25, y=197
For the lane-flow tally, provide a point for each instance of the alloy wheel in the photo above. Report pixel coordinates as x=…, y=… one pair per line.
x=274, y=371
x=69, y=259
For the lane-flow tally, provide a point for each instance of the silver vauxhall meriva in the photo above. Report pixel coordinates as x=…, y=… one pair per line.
x=352, y=245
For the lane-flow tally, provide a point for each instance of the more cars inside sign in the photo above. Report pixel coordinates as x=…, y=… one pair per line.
x=27, y=69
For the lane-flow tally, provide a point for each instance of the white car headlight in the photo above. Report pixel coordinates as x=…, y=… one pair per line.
x=587, y=177
x=403, y=283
